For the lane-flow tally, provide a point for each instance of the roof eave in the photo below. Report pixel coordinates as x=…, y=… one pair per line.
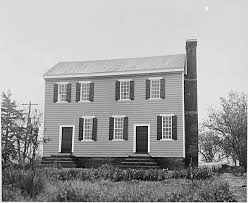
x=112, y=73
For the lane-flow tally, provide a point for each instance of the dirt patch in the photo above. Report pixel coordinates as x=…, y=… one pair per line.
x=238, y=185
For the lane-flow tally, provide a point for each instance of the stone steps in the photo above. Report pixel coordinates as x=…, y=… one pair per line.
x=66, y=161
x=137, y=161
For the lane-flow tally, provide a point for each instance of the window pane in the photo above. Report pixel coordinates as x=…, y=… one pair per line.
x=167, y=127
x=155, y=88
x=118, y=126
x=88, y=124
x=124, y=87
x=85, y=91
x=62, y=92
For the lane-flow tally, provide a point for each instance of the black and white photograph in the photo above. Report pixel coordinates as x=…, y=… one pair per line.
x=123, y=100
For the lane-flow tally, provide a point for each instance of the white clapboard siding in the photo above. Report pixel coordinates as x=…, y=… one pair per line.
x=104, y=106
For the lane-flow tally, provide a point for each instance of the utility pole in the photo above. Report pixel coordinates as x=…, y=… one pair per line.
x=29, y=131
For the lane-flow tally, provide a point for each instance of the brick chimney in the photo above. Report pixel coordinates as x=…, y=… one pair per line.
x=190, y=105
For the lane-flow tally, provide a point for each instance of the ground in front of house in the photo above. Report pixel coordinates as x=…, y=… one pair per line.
x=169, y=189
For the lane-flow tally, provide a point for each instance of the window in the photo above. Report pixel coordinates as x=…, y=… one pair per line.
x=155, y=88
x=85, y=91
x=167, y=127
x=118, y=128
x=62, y=92
x=88, y=126
x=124, y=90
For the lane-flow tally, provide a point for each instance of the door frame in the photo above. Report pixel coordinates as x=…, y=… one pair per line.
x=60, y=136
x=134, y=136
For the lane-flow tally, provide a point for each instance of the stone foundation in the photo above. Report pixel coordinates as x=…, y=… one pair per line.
x=172, y=163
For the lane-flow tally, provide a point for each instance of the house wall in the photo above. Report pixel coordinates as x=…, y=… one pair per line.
x=104, y=106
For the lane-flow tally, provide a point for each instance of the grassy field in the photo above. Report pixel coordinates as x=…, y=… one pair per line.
x=21, y=186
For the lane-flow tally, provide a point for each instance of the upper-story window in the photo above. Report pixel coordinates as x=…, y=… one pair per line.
x=124, y=90
x=85, y=91
x=62, y=93
x=155, y=88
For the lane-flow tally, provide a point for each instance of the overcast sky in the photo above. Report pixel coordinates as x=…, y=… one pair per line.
x=35, y=35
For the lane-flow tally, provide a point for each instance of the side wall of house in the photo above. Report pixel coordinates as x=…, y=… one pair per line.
x=139, y=111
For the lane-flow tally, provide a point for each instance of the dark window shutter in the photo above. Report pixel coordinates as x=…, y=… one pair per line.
x=91, y=97
x=132, y=90
x=55, y=93
x=117, y=90
x=174, y=127
x=111, y=128
x=78, y=87
x=147, y=89
x=68, y=87
x=162, y=88
x=125, y=129
x=159, y=127
x=81, y=129
x=94, y=131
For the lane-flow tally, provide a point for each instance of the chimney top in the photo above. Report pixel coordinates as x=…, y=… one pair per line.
x=191, y=44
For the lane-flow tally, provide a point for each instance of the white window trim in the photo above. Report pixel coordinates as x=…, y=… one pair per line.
x=156, y=78
x=118, y=116
x=91, y=140
x=134, y=136
x=81, y=83
x=122, y=129
x=60, y=136
x=125, y=80
x=86, y=82
x=166, y=115
x=61, y=83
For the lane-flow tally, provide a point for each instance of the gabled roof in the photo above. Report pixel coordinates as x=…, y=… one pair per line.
x=152, y=64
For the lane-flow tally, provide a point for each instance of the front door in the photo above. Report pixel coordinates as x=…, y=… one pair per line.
x=142, y=139
x=66, y=145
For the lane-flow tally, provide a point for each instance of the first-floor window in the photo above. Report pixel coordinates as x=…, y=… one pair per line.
x=88, y=126
x=62, y=92
x=167, y=127
x=118, y=128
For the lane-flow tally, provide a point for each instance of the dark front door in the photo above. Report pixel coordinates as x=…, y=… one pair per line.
x=66, y=145
x=142, y=139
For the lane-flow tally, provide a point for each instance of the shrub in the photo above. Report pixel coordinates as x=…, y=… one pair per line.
x=197, y=173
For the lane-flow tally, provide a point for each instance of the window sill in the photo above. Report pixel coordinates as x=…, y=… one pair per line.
x=84, y=101
x=87, y=140
x=165, y=140
x=124, y=100
x=116, y=140
x=61, y=102
x=155, y=99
